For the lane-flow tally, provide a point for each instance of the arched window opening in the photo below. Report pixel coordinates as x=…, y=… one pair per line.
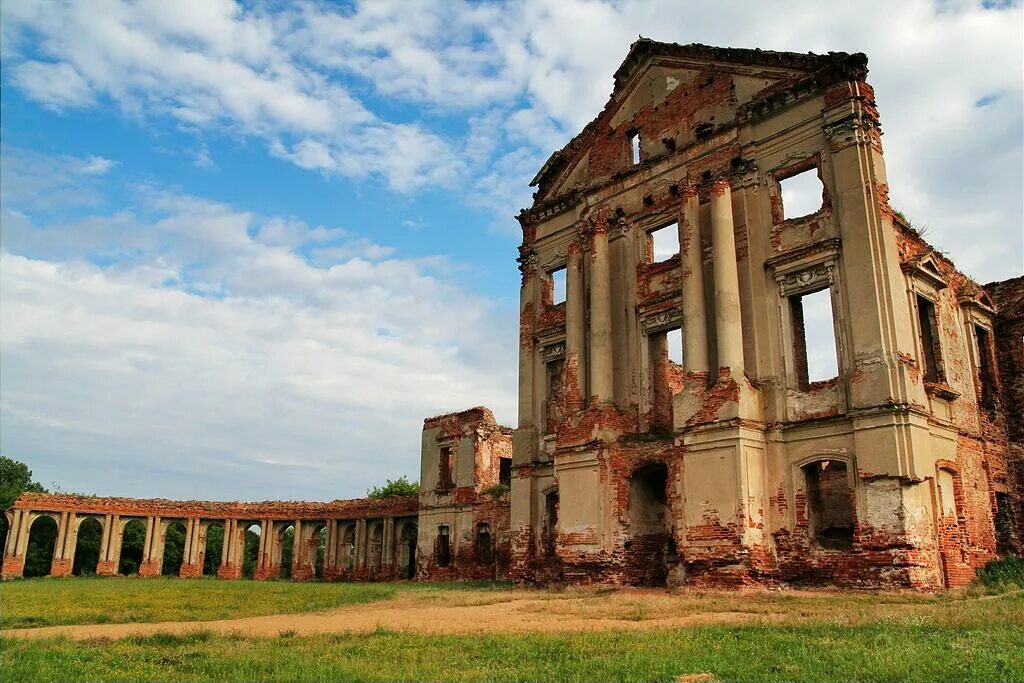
x=214, y=549
x=251, y=550
x=829, y=504
x=347, y=549
x=133, y=538
x=87, y=547
x=407, y=550
x=375, y=551
x=549, y=532
x=42, y=538
x=444, y=548
x=484, y=547
x=320, y=538
x=174, y=549
x=651, y=545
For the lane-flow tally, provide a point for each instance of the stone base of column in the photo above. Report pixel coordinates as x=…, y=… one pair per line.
x=229, y=571
x=266, y=573
x=190, y=571
x=13, y=568
x=303, y=573
x=106, y=568
x=60, y=568
x=151, y=568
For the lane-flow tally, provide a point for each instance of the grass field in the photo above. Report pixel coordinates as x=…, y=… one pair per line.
x=783, y=636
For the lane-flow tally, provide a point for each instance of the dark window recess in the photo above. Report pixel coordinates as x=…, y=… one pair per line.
x=444, y=476
x=930, y=349
x=505, y=471
x=985, y=376
x=484, y=554
x=444, y=547
x=814, y=338
x=829, y=504
x=548, y=534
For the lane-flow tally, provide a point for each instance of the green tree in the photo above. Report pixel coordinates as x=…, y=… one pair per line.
x=287, y=544
x=131, y=547
x=87, y=548
x=174, y=549
x=397, y=487
x=214, y=546
x=15, y=477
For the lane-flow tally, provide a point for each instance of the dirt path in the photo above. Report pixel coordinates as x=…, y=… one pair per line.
x=512, y=615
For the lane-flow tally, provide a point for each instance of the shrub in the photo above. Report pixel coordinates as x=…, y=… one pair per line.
x=1003, y=574
x=497, y=490
x=398, y=487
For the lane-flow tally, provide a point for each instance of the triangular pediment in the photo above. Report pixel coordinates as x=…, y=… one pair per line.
x=666, y=98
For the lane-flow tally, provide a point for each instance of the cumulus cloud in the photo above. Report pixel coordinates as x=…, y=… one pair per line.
x=230, y=354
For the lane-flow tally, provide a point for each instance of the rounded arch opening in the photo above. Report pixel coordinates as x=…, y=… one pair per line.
x=830, y=516
x=42, y=539
x=251, y=550
x=5, y=525
x=286, y=547
x=174, y=549
x=407, y=540
x=133, y=538
x=347, y=547
x=213, y=549
x=87, y=547
x=375, y=547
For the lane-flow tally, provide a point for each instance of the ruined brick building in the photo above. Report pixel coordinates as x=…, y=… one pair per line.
x=680, y=421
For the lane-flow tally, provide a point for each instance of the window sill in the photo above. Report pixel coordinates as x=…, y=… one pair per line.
x=941, y=390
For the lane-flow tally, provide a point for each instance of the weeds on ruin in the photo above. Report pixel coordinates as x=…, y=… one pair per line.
x=999, y=576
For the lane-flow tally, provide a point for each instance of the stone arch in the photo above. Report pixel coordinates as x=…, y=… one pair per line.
x=375, y=547
x=347, y=547
x=42, y=544
x=172, y=547
x=213, y=548
x=251, y=535
x=89, y=532
x=650, y=547
x=284, y=549
x=406, y=551
x=5, y=528
x=830, y=495
x=130, y=550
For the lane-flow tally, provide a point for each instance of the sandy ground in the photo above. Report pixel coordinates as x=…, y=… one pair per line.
x=505, y=613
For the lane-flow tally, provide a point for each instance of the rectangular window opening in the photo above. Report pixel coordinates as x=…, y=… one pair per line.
x=985, y=366
x=675, y=346
x=634, y=146
x=814, y=337
x=444, y=477
x=505, y=471
x=801, y=194
x=929, y=335
x=444, y=548
x=663, y=243
x=557, y=286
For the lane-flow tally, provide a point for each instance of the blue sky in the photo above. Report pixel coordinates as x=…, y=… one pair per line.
x=247, y=247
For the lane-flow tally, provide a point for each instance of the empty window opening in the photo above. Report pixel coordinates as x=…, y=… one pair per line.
x=407, y=550
x=985, y=377
x=829, y=504
x=931, y=352
x=814, y=337
x=550, y=530
x=675, y=345
x=558, y=291
x=947, y=496
x=634, y=147
x=484, y=552
x=445, y=467
x=285, y=551
x=663, y=243
x=801, y=194
x=650, y=526
x=505, y=471
x=444, y=547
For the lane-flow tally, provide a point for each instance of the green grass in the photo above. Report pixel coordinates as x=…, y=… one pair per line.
x=1001, y=575
x=77, y=600
x=880, y=652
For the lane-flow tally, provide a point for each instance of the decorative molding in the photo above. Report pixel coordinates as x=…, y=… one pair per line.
x=815, y=277
x=668, y=319
x=855, y=128
x=553, y=351
x=926, y=269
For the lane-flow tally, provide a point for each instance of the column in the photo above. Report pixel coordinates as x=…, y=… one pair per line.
x=728, y=324
x=360, y=544
x=13, y=565
x=188, y=562
x=331, y=550
x=71, y=540
x=110, y=550
x=575, y=331
x=263, y=553
x=601, y=377
x=388, y=551
x=695, y=333
x=59, y=565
